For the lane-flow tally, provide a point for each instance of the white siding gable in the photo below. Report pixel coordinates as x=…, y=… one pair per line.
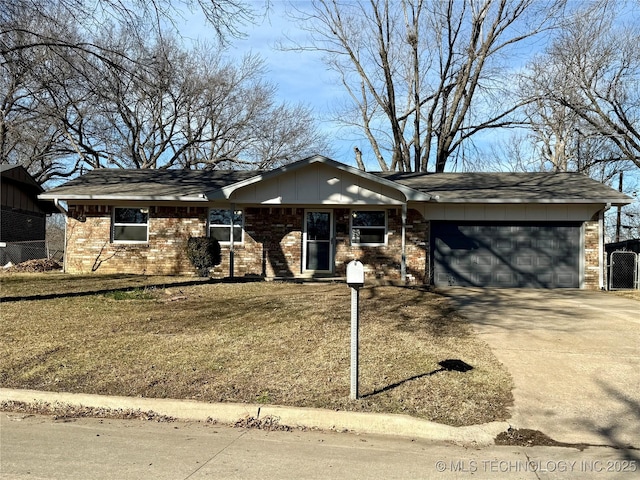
x=317, y=184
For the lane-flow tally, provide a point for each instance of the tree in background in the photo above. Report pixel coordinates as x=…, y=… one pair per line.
x=582, y=91
x=425, y=77
x=103, y=84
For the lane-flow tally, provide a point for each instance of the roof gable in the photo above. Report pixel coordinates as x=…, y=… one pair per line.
x=19, y=174
x=318, y=180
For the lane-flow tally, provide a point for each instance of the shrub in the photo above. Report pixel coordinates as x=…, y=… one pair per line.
x=204, y=253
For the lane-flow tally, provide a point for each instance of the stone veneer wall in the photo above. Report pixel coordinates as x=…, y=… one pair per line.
x=592, y=254
x=89, y=247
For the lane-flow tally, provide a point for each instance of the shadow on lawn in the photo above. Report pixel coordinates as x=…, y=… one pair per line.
x=449, y=365
x=84, y=293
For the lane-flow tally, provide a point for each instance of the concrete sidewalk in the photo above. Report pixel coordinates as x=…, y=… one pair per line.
x=574, y=356
x=230, y=413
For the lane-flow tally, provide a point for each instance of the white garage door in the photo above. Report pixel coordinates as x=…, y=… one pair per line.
x=533, y=255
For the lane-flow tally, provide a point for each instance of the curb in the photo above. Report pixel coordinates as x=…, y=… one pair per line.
x=355, y=422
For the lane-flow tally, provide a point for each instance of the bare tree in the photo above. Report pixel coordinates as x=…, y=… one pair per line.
x=30, y=80
x=195, y=109
x=590, y=73
x=226, y=17
x=113, y=98
x=424, y=76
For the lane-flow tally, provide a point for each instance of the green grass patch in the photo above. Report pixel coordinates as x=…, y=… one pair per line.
x=135, y=294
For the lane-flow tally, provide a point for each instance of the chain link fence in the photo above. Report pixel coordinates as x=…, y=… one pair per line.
x=18, y=252
x=624, y=270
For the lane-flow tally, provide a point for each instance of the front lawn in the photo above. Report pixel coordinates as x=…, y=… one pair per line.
x=262, y=342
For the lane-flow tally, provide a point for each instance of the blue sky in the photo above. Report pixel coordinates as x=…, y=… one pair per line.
x=301, y=77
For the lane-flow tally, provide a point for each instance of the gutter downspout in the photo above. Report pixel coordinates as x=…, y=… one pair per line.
x=56, y=202
x=403, y=259
x=601, y=255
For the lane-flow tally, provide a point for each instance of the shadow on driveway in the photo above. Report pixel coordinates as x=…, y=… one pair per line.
x=574, y=356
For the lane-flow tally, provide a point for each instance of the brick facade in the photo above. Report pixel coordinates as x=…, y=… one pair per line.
x=271, y=246
x=591, y=254
x=90, y=249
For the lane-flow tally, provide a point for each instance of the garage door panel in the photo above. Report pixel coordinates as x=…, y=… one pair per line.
x=505, y=279
x=484, y=260
x=524, y=260
x=517, y=255
x=546, y=261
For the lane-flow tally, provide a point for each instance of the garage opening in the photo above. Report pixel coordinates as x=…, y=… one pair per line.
x=522, y=255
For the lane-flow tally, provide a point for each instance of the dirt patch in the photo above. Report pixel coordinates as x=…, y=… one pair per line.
x=524, y=437
x=34, y=266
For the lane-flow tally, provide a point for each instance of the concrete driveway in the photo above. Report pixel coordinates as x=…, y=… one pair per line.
x=574, y=356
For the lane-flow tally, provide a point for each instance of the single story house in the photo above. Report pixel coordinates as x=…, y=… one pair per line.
x=312, y=217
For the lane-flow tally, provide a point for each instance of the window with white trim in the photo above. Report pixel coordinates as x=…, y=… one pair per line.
x=222, y=222
x=130, y=225
x=368, y=227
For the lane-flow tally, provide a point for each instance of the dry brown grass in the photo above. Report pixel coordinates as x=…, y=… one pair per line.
x=279, y=343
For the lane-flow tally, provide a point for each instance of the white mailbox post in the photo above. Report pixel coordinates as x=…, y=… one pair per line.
x=355, y=279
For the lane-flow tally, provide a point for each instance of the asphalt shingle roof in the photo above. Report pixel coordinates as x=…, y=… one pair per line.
x=514, y=187
x=148, y=183
x=444, y=187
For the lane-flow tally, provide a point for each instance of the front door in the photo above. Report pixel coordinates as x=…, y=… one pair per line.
x=318, y=241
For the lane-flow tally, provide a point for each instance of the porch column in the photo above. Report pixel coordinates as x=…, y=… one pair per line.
x=231, y=243
x=403, y=258
x=601, y=254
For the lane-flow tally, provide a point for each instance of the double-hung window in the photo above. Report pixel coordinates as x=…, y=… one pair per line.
x=223, y=223
x=368, y=227
x=130, y=225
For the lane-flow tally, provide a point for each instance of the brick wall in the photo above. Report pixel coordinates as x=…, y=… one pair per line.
x=591, y=255
x=384, y=262
x=89, y=247
x=272, y=246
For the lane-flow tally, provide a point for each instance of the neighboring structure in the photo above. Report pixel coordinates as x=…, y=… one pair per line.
x=632, y=245
x=23, y=215
x=623, y=259
x=312, y=217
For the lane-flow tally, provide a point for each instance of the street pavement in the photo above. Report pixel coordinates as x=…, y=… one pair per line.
x=40, y=447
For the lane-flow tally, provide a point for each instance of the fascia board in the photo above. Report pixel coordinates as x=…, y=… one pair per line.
x=615, y=202
x=121, y=198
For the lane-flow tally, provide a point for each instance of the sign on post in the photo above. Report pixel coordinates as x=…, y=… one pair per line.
x=355, y=279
